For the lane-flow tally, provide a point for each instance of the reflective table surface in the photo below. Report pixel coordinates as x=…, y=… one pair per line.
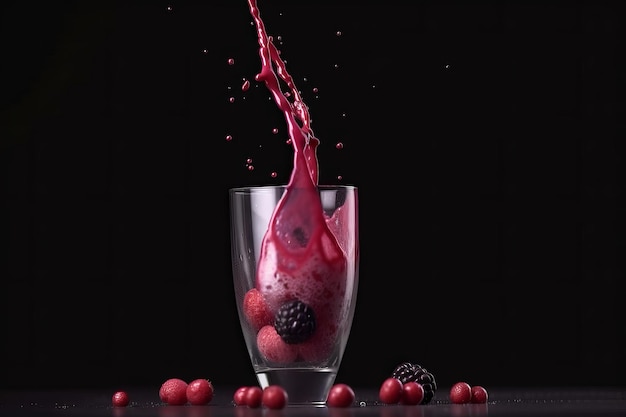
x=145, y=402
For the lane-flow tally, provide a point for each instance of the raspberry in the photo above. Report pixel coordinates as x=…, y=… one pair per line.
x=120, y=399
x=340, y=395
x=479, y=395
x=273, y=347
x=173, y=391
x=294, y=322
x=256, y=309
x=199, y=392
x=274, y=397
x=390, y=391
x=460, y=393
x=408, y=371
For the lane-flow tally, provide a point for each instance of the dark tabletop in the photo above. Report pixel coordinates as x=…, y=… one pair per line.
x=145, y=402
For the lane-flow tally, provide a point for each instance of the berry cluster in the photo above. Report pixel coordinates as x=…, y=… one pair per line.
x=281, y=335
x=273, y=397
x=463, y=393
x=409, y=372
x=409, y=384
x=176, y=391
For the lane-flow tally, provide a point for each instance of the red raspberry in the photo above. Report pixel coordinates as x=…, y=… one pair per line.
x=174, y=392
x=273, y=347
x=340, y=395
x=460, y=393
x=254, y=397
x=199, y=392
x=274, y=397
x=390, y=391
x=256, y=309
x=412, y=393
x=120, y=399
x=239, y=397
x=479, y=395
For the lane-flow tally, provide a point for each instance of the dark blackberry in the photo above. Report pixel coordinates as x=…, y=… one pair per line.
x=294, y=322
x=407, y=372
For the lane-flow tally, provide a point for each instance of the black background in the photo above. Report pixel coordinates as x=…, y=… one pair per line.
x=486, y=139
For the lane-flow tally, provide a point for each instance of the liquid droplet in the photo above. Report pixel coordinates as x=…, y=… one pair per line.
x=231, y=61
x=339, y=145
x=170, y=8
x=275, y=130
x=229, y=138
x=245, y=86
x=250, y=168
x=249, y=161
x=338, y=33
x=315, y=90
x=231, y=99
x=274, y=174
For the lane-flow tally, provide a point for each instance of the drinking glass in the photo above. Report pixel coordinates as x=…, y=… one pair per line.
x=296, y=304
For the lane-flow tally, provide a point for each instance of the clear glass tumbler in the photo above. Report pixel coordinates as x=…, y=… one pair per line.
x=295, y=262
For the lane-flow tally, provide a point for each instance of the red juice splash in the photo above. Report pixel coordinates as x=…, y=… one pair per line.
x=300, y=256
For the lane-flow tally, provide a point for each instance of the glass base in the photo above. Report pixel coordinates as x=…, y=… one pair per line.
x=305, y=387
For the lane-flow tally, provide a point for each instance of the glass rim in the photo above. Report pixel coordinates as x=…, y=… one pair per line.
x=249, y=188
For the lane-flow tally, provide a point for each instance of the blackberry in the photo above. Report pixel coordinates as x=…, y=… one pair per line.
x=294, y=322
x=407, y=372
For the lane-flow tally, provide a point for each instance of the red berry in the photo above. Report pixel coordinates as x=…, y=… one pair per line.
x=479, y=395
x=273, y=347
x=256, y=310
x=120, y=399
x=412, y=393
x=340, y=395
x=254, y=397
x=390, y=391
x=199, y=392
x=239, y=397
x=174, y=391
x=274, y=397
x=460, y=393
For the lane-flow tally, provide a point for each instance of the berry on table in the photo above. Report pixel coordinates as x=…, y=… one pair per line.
x=460, y=393
x=479, y=395
x=239, y=397
x=173, y=391
x=340, y=395
x=412, y=393
x=199, y=392
x=274, y=397
x=254, y=397
x=407, y=372
x=120, y=399
x=390, y=391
